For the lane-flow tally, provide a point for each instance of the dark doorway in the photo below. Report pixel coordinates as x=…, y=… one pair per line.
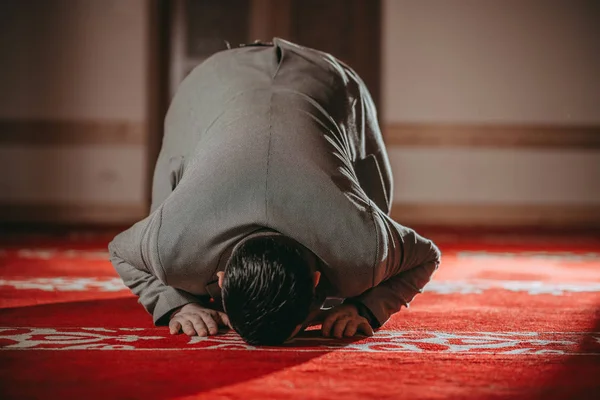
x=188, y=31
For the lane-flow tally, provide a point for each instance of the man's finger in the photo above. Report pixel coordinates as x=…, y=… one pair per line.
x=224, y=319
x=351, y=328
x=199, y=325
x=340, y=326
x=328, y=324
x=174, y=327
x=188, y=327
x=366, y=328
x=210, y=324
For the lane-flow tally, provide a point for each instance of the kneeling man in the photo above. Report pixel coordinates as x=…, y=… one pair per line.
x=272, y=193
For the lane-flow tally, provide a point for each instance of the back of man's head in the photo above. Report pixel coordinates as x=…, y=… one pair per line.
x=268, y=289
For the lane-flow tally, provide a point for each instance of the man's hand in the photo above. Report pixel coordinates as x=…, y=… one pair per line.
x=193, y=319
x=344, y=320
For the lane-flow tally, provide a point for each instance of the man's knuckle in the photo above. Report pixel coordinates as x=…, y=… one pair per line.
x=209, y=319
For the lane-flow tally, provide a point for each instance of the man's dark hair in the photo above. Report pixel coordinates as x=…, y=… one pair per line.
x=268, y=289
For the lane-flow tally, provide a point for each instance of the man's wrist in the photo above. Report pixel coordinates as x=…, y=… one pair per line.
x=174, y=311
x=364, y=312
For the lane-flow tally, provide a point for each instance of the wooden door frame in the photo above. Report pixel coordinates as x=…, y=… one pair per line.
x=270, y=18
x=267, y=19
x=157, y=103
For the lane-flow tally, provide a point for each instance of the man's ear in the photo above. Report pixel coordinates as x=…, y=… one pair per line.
x=316, y=277
x=221, y=274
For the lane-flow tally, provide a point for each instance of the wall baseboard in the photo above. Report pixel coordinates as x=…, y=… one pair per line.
x=71, y=133
x=96, y=214
x=492, y=135
x=63, y=132
x=427, y=214
x=498, y=215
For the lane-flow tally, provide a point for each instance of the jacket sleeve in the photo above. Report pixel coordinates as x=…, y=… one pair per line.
x=412, y=260
x=131, y=252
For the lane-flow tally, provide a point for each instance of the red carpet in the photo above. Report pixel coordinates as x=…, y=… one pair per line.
x=505, y=317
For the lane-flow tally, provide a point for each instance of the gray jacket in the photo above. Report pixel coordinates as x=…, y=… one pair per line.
x=281, y=138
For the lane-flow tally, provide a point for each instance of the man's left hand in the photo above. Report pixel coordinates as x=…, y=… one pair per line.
x=344, y=320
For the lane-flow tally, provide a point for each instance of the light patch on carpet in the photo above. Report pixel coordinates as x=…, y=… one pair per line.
x=65, y=284
x=495, y=343
x=470, y=286
x=478, y=286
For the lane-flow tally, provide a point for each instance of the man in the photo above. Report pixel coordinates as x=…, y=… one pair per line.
x=271, y=193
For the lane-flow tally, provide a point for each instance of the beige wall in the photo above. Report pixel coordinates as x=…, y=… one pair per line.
x=459, y=61
x=493, y=62
x=74, y=61
x=496, y=176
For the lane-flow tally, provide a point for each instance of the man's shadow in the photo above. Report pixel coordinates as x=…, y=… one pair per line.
x=151, y=374
x=577, y=376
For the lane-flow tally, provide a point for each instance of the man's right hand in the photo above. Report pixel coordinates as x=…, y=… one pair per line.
x=193, y=319
x=344, y=320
